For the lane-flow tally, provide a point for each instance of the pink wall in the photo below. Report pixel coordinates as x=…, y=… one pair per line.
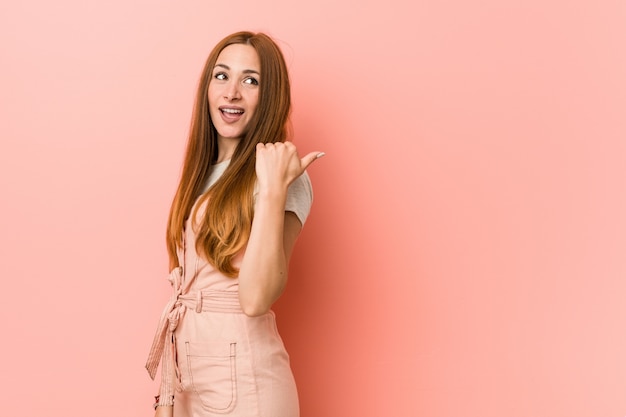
x=465, y=254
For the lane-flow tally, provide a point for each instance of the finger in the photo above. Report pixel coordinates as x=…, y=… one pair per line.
x=309, y=158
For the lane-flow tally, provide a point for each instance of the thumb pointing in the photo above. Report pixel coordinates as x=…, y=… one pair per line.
x=309, y=158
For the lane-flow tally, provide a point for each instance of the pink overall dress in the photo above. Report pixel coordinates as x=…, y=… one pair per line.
x=216, y=361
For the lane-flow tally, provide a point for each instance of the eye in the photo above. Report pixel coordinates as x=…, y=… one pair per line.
x=220, y=76
x=251, y=81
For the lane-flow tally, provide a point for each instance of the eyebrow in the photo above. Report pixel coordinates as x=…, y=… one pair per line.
x=246, y=71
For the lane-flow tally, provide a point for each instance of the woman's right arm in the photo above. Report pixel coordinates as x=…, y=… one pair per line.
x=164, y=411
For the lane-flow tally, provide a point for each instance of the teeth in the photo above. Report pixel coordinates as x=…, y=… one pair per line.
x=232, y=111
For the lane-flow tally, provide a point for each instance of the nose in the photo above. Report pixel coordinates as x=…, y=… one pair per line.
x=232, y=91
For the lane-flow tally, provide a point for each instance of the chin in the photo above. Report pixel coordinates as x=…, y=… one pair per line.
x=230, y=135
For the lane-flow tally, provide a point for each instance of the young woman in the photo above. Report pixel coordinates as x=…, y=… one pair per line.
x=240, y=205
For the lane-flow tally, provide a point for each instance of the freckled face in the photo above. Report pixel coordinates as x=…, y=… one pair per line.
x=233, y=92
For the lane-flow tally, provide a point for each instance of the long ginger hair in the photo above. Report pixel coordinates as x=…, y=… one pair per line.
x=224, y=227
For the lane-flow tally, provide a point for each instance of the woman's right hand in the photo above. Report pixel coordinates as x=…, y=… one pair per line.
x=164, y=411
x=278, y=164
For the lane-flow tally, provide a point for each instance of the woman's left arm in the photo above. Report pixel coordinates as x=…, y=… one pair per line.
x=263, y=272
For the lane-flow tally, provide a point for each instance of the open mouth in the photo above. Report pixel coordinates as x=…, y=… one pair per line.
x=231, y=114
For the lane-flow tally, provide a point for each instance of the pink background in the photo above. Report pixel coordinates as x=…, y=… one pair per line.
x=466, y=251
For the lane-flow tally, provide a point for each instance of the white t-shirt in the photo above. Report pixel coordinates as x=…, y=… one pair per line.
x=299, y=193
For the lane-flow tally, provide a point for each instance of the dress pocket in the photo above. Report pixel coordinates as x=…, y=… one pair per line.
x=212, y=373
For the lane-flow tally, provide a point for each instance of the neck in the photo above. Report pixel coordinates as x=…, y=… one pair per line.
x=225, y=148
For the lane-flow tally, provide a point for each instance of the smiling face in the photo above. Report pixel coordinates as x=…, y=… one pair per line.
x=233, y=91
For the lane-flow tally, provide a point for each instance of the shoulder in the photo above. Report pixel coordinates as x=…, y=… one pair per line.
x=300, y=197
x=302, y=185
